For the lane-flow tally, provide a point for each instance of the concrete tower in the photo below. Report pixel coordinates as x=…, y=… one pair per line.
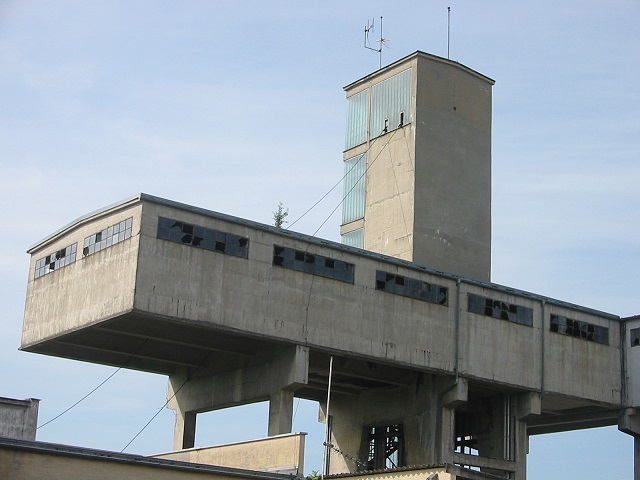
x=418, y=165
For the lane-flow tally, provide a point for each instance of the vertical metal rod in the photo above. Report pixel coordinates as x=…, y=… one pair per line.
x=325, y=456
x=448, y=30
x=381, y=40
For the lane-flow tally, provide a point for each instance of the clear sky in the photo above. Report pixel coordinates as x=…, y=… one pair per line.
x=235, y=106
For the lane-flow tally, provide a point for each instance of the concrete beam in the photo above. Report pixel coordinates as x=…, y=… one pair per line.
x=276, y=379
x=629, y=422
x=287, y=370
x=457, y=394
x=280, y=412
x=528, y=404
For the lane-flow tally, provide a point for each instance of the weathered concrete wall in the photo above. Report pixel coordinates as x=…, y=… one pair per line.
x=492, y=348
x=282, y=454
x=255, y=297
x=632, y=361
x=19, y=418
x=453, y=170
x=580, y=368
x=92, y=288
x=390, y=194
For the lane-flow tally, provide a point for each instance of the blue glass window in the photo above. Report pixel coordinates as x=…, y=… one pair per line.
x=391, y=104
x=357, y=117
x=353, y=206
x=355, y=238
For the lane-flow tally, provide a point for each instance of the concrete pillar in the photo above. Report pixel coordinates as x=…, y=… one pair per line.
x=521, y=448
x=280, y=412
x=184, y=433
x=629, y=423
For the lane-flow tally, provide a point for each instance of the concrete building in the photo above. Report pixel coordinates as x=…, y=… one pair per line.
x=430, y=367
x=418, y=165
x=19, y=418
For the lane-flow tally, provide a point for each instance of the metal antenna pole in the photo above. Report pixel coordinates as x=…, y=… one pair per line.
x=448, y=30
x=381, y=39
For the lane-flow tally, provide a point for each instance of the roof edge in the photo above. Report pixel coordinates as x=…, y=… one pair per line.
x=83, y=218
x=416, y=54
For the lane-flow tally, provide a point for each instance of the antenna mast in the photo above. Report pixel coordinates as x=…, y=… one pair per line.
x=369, y=29
x=448, y=30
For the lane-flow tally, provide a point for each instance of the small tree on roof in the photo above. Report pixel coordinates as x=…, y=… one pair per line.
x=279, y=216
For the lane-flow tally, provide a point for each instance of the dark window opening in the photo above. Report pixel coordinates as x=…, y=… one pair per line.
x=385, y=447
x=401, y=119
x=411, y=287
x=501, y=310
x=201, y=237
x=579, y=329
x=313, y=264
x=466, y=432
x=635, y=337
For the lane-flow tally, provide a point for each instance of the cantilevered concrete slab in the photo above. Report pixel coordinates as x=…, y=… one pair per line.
x=235, y=312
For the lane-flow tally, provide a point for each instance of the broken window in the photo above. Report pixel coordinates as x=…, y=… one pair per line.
x=56, y=260
x=491, y=307
x=411, y=287
x=635, y=337
x=201, y=237
x=579, y=329
x=385, y=447
x=109, y=236
x=312, y=263
x=466, y=433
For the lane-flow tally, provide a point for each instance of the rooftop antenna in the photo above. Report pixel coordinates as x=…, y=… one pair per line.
x=448, y=30
x=382, y=41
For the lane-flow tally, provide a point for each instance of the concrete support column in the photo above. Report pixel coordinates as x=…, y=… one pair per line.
x=452, y=397
x=184, y=432
x=525, y=406
x=280, y=412
x=521, y=449
x=629, y=423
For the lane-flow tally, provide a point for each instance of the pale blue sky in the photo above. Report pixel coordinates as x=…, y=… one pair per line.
x=235, y=106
